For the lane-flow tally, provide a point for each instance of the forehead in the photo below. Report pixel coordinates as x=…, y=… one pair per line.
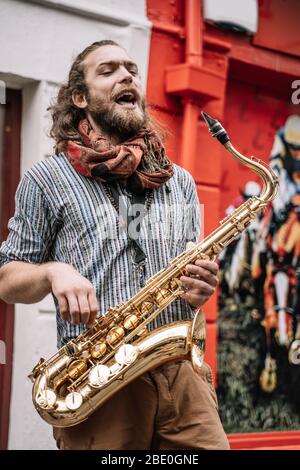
x=105, y=54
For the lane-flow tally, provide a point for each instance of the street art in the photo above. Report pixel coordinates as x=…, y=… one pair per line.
x=260, y=290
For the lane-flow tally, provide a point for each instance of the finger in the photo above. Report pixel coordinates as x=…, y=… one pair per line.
x=84, y=308
x=202, y=286
x=210, y=266
x=74, y=309
x=194, y=300
x=202, y=274
x=63, y=308
x=93, y=303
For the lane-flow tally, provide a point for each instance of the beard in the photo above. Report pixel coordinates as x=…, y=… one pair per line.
x=113, y=120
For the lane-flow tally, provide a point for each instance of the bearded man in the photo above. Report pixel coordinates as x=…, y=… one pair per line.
x=67, y=238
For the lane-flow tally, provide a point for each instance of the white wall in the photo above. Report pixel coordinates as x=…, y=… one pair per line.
x=38, y=41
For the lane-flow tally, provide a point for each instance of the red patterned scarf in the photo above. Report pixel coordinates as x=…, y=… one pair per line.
x=139, y=162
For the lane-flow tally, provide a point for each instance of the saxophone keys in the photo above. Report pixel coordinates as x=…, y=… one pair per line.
x=216, y=249
x=59, y=381
x=126, y=354
x=80, y=345
x=162, y=295
x=73, y=400
x=46, y=398
x=99, y=376
x=37, y=369
x=130, y=322
x=174, y=284
x=203, y=256
x=142, y=332
x=146, y=307
x=76, y=369
x=98, y=350
x=85, y=355
x=115, y=334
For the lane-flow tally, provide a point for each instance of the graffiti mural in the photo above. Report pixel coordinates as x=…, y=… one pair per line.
x=276, y=262
x=259, y=303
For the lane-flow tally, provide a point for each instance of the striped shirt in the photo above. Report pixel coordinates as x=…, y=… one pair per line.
x=65, y=217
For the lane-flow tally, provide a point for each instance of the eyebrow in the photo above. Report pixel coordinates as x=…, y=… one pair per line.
x=116, y=63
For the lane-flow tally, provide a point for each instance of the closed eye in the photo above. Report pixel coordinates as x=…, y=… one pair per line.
x=105, y=72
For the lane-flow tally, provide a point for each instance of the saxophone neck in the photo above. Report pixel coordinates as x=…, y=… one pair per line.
x=270, y=180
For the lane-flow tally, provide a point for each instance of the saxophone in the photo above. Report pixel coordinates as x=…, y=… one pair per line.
x=118, y=348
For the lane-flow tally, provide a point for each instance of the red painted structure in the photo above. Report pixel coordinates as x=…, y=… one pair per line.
x=246, y=82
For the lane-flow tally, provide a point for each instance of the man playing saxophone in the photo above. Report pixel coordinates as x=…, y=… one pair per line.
x=68, y=238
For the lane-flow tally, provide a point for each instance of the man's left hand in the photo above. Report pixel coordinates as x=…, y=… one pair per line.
x=202, y=283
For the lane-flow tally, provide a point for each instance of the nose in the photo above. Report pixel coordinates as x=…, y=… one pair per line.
x=124, y=75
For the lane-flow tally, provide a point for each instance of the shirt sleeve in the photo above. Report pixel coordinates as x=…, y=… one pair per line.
x=31, y=229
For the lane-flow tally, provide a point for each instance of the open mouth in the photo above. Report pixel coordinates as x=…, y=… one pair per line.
x=127, y=100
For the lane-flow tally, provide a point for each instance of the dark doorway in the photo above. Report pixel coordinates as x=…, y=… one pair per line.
x=10, y=139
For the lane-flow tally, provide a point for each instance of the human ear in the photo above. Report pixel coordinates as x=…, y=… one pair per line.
x=79, y=100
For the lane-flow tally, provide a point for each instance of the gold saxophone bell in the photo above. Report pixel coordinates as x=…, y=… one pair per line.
x=117, y=348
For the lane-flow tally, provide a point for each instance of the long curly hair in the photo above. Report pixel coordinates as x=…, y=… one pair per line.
x=66, y=116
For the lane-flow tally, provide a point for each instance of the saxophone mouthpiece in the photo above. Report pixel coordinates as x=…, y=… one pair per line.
x=215, y=128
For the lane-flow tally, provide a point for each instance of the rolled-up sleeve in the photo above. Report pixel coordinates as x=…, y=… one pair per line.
x=31, y=231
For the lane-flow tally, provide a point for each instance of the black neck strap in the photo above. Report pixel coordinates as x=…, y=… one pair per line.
x=127, y=217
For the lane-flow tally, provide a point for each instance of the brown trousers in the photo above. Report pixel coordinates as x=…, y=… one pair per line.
x=168, y=408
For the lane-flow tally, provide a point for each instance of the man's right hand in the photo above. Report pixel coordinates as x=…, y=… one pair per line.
x=76, y=296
